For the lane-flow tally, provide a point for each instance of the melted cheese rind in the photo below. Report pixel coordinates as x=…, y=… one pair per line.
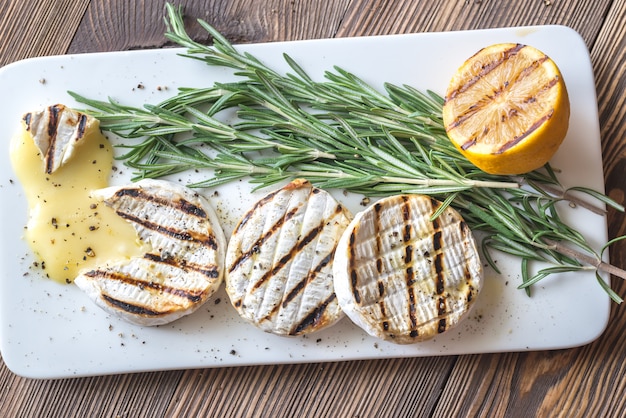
x=67, y=228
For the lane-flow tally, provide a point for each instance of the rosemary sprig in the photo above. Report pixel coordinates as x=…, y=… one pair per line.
x=342, y=133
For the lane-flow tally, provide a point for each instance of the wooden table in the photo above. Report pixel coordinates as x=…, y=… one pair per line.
x=586, y=381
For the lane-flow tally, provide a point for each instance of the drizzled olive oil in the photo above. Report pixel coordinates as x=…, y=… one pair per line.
x=67, y=229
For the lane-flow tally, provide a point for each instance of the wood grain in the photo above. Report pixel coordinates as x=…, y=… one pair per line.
x=241, y=22
x=35, y=29
x=585, y=381
x=376, y=17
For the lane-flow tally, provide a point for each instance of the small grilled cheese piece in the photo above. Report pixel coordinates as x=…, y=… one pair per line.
x=57, y=130
x=183, y=267
x=403, y=277
x=279, y=260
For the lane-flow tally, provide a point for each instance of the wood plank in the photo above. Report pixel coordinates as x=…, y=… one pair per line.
x=137, y=395
x=44, y=28
x=609, y=62
x=376, y=17
x=245, y=21
x=334, y=389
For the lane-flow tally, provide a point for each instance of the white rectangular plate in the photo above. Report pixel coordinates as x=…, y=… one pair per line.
x=49, y=330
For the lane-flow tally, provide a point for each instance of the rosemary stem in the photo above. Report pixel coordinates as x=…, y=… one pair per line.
x=437, y=182
x=574, y=199
x=587, y=259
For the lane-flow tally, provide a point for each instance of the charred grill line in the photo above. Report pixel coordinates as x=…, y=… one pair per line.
x=182, y=205
x=262, y=239
x=412, y=313
x=82, y=126
x=379, y=244
x=353, y=274
x=256, y=206
x=284, y=260
x=439, y=268
x=381, y=289
x=53, y=121
x=408, y=261
x=141, y=284
x=529, y=131
x=53, y=124
x=129, y=307
x=313, y=318
x=192, y=236
x=383, y=314
x=211, y=272
x=486, y=70
x=303, y=283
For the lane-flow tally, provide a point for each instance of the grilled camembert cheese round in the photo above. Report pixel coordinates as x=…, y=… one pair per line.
x=403, y=277
x=183, y=267
x=279, y=260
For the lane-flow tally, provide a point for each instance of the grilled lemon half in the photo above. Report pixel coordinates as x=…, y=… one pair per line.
x=507, y=109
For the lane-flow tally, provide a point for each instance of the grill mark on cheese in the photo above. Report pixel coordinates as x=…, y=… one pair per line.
x=383, y=314
x=441, y=311
x=379, y=246
x=190, y=295
x=53, y=123
x=285, y=259
x=210, y=271
x=354, y=279
x=139, y=197
x=131, y=308
x=315, y=317
x=262, y=202
x=255, y=248
x=303, y=283
x=408, y=261
x=138, y=194
x=412, y=313
x=439, y=267
x=186, y=235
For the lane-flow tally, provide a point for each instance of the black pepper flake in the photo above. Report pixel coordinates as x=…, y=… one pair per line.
x=90, y=252
x=233, y=352
x=92, y=227
x=54, y=223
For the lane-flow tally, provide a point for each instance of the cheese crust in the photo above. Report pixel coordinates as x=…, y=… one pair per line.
x=279, y=260
x=403, y=277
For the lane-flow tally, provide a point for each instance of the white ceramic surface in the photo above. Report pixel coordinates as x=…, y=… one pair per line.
x=48, y=330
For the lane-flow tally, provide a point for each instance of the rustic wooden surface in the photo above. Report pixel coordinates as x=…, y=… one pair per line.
x=586, y=381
